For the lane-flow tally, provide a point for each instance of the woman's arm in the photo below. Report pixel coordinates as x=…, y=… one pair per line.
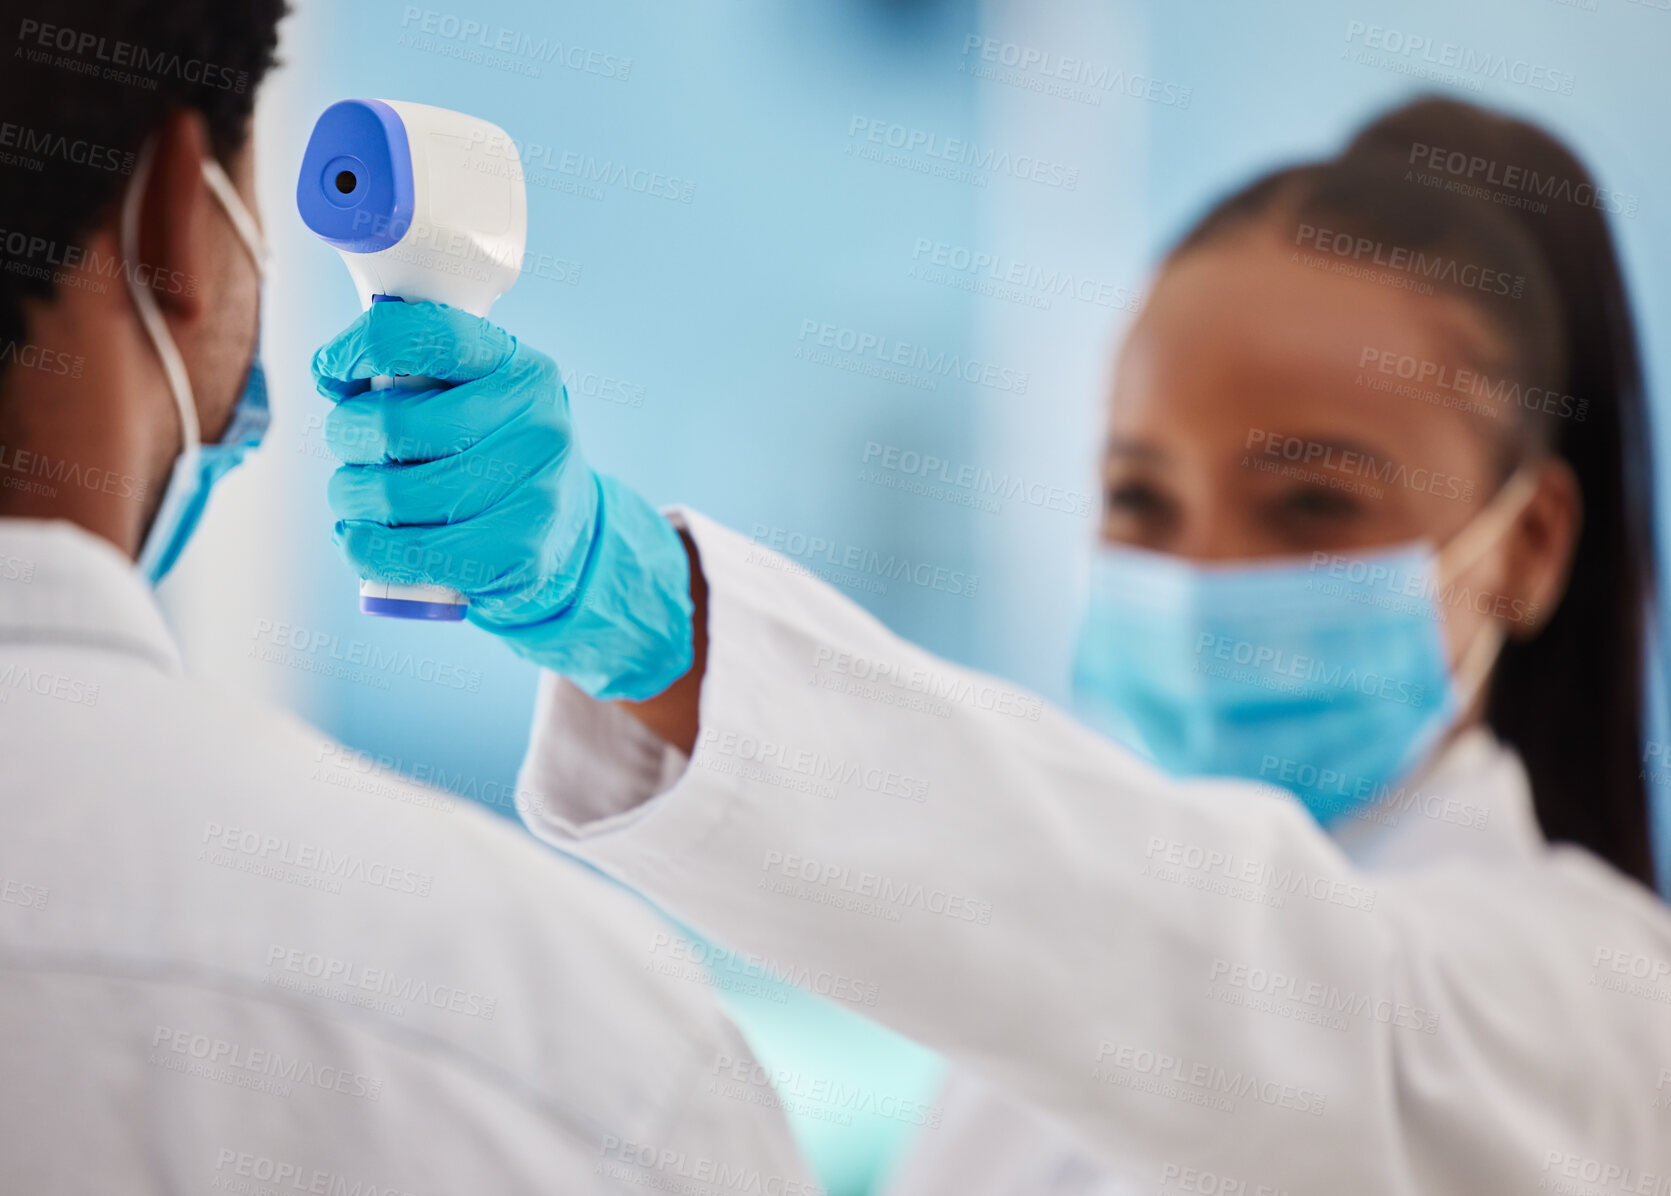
x=1191, y=977
x=672, y=714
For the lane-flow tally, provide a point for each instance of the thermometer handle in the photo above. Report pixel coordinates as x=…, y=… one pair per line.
x=392, y=601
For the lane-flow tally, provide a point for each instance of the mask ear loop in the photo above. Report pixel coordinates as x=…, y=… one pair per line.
x=249, y=232
x=238, y=212
x=173, y=366
x=1463, y=551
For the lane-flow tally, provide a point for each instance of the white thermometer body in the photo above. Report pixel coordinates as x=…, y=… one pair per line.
x=422, y=203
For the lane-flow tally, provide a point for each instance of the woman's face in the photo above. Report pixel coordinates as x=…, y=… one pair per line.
x=1252, y=418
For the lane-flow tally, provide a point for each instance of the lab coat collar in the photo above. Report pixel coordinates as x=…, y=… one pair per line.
x=1474, y=802
x=61, y=584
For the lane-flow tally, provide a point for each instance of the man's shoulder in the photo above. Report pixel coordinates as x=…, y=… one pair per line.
x=190, y=832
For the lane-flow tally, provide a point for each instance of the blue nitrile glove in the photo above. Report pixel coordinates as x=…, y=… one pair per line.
x=480, y=487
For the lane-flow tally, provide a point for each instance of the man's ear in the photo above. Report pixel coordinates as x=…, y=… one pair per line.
x=172, y=214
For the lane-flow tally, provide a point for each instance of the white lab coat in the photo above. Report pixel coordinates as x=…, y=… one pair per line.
x=1475, y=803
x=1188, y=981
x=232, y=960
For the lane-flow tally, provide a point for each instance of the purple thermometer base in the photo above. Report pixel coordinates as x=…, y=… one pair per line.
x=401, y=608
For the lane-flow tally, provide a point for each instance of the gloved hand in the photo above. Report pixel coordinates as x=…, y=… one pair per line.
x=480, y=487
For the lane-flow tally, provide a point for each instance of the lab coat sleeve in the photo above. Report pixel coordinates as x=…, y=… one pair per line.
x=1190, y=977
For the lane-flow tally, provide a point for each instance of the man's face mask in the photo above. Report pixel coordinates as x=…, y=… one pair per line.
x=1330, y=682
x=199, y=466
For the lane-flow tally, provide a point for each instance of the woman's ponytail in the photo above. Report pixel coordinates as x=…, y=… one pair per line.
x=1569, y=700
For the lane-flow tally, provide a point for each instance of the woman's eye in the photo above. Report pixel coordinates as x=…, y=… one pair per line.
x=1318, y=503
x=1133, y=498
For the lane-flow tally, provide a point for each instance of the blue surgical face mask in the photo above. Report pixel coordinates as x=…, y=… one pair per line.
x=199, y=466
x=1324, y=675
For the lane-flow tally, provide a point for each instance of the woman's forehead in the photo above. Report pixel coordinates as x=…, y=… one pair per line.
x=1240, y=333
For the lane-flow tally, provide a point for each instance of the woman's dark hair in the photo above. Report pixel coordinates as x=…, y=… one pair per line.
x=1437, y=186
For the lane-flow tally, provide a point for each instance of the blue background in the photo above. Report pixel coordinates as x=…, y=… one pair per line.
x=698, y=310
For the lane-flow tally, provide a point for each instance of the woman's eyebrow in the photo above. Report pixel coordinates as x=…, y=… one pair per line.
x=1323, y=452
x=1139, y=450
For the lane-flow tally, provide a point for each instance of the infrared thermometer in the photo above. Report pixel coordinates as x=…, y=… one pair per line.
x=422, y=203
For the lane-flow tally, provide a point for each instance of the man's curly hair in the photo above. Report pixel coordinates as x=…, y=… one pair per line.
x=83, y=85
